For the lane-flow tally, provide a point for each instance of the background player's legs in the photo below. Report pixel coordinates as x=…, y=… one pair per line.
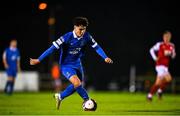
x=166, y=80
x=9, y=85
x=57, y=85
x=154, y=87
x=78, y=86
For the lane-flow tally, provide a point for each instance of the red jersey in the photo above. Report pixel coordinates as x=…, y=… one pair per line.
x=165, y=51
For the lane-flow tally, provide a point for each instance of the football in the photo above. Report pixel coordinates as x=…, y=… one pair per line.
x=89, y=105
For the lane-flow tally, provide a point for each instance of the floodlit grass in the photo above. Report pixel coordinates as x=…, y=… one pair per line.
x=109, y=103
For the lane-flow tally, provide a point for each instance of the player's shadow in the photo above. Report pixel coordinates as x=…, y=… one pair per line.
x=173, y=111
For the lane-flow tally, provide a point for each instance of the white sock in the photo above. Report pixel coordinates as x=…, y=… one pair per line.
x=149, y=95
x=159, y=91
x=60, y=96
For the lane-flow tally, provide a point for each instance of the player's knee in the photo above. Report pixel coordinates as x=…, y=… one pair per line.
x=158, y=83
x=75, y=81
x=168, y=79
x=76, y=84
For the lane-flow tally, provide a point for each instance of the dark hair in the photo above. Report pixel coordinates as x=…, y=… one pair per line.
x=77, y=21
x=13, y=40
x=166, y=32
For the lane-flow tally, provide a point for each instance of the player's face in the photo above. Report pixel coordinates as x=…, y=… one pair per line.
x=79, y=30
x=13, y=43
x=167, y=37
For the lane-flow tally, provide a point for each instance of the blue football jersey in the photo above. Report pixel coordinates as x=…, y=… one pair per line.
x=72, y=48
x=11, y=56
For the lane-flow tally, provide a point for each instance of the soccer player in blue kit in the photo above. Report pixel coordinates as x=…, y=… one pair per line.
x=11, y=61
x=71, y=47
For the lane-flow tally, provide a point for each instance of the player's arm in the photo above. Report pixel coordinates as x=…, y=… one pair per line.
x=42, y=56
x=56, y=45
x=19, y=66
x=153, y=51
x=5, y=61
x=99, y=50
x=18, y=63
x=173, y=53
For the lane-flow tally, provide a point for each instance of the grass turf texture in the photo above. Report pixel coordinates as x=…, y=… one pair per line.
x=109, y=103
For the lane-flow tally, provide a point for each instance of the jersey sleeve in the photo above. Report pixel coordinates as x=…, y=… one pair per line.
x=46, y=53
x=4, y=54
x=97, y=47
x=154, y=49
x=61, y=40
x=58, y=42
x=156, y=46
x=92, y=42
x=173, y=51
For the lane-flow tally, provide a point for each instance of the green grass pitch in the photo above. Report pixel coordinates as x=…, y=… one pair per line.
x=109, y=103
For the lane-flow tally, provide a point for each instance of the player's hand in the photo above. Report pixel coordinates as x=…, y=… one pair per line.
x=173, y=55
x=34, y=61
x=108, y=60
x=157, y=59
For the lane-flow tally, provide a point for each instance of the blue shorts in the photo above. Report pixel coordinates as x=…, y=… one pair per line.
x=68, y=72
x=11, y=73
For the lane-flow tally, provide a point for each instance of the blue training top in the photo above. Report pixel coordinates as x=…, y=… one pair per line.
x=72, y=48
x=11, y=55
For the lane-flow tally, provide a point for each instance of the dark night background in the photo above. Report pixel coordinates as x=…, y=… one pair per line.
x=125, y=30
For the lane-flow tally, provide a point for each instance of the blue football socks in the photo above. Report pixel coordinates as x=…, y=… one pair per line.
x=82, y=92
x=68, y=91
x=9, y=87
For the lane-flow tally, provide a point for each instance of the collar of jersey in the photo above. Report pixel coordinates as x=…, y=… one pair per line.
x=12, y=48
x=75, y=36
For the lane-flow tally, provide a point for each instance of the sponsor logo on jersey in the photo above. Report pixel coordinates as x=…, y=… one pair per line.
x=13, y=57
x=76, y=51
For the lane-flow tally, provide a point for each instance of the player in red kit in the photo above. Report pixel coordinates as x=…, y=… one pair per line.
x=161, y=53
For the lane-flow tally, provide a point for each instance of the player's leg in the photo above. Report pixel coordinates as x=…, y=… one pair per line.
x=60, y=96
x=156, y=85
x=80, y=75
x=166, y=80
x=9, y=85
x=78, y=86
x=14, y=74
x=75, y=76
x=58, y=84
x=67, y=92
x=71, y=75
x=67, y=72
x=10, y=82
x=154, y=88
